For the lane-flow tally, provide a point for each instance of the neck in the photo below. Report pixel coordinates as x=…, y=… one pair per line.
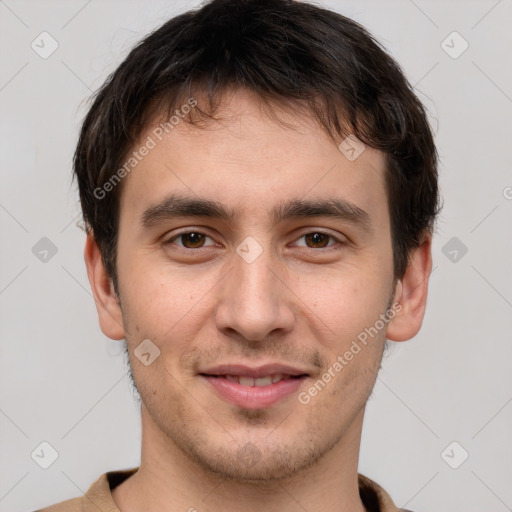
x=169, y=481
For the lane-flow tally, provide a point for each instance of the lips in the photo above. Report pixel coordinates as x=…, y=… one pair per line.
x=254, y=387
x=258, y=382
x=241, y=370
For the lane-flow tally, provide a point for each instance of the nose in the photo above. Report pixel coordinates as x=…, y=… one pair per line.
x=254, y=299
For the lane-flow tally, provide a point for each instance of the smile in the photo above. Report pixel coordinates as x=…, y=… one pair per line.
x=254, y=393
x=257, y=382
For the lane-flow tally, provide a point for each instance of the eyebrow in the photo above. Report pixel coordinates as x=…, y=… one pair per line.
x=176, y=205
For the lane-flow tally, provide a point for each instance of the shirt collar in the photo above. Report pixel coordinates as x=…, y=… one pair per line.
x=99, y=494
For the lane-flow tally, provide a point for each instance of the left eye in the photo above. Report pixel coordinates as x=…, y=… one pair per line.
x=319, y=239
x=196, y=240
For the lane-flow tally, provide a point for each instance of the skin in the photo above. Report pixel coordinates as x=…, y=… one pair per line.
x=297, y=303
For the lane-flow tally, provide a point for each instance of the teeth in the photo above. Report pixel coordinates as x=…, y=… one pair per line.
x=259, y=382
x=263, y=381
x=246, y=381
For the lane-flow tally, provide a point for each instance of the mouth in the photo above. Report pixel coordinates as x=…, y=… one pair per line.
x=254, y=388
x=259, y=382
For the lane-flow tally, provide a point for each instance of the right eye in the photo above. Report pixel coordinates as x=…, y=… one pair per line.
x=189, y=239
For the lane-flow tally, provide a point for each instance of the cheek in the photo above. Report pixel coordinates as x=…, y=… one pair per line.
x=164, y=305
x=346, y=302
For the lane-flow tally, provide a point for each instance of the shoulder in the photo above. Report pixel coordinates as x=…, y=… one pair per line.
x=375, y=498
x=97, y=497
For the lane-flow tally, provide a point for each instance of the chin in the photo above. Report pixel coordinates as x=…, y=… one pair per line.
x=253, y=464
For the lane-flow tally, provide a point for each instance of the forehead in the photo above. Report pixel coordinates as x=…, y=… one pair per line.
x=250, y=161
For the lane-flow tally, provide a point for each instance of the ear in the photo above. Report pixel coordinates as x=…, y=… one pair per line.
x=107, y=302
x=411, y=293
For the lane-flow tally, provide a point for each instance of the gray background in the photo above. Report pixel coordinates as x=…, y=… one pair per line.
x=63, y=382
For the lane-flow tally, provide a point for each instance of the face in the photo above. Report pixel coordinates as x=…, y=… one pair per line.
x=249, y=311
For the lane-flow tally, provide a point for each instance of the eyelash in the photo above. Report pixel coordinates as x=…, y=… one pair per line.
x=178, y=235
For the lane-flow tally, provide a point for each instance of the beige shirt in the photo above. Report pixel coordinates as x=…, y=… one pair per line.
x=99, y=496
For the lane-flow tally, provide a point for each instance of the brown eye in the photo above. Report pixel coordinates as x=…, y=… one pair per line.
x=190, y=240
x=319, y=240
x=194, y=239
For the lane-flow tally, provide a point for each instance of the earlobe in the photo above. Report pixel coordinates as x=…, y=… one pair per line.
x=107, y=302
x=411, y=293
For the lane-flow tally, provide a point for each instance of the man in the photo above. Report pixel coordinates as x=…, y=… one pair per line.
x=259, y=185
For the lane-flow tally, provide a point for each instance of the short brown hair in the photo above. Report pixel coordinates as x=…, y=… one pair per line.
x=286, y=52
